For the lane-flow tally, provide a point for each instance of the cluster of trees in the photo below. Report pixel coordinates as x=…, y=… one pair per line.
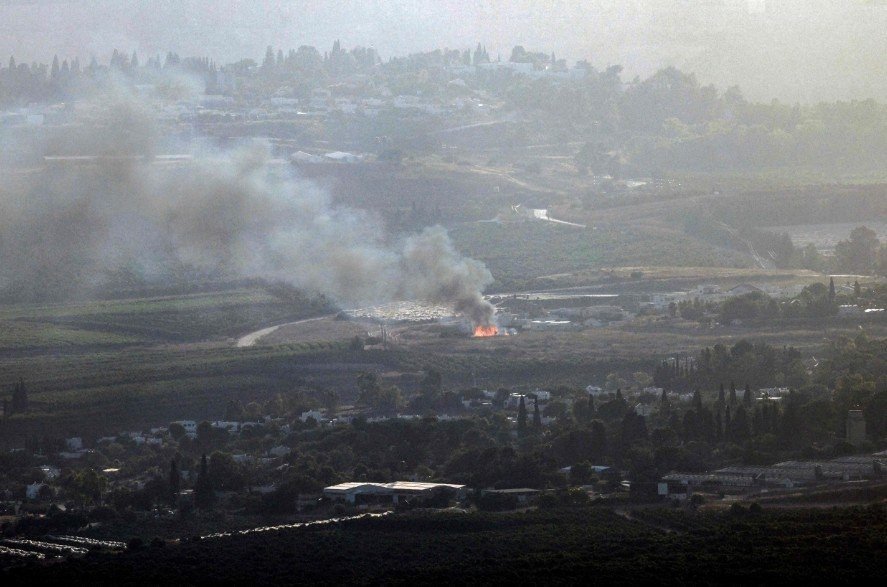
x=816, y=301
x=753, y=364
x=307, y=60
x=861, y=254
x=21, y=83
x=669, y=121
x=377, y=395
x=856, y=369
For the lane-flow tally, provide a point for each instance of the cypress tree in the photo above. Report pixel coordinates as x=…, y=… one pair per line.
x=721, y=394
x=708, y=426
x=740, y=425
x=204, y=496
x=521, y=417
x=691, y=426
x=598, y=439
x=19, y=402
x=537, y=417
x=747, y=398
x=732, y=393
x=773, y=419
x=175, y=481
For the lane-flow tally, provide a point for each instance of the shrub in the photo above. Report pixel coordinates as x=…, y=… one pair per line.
x=135, y=543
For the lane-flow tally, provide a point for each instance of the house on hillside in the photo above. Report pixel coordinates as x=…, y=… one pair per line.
x=683, y=484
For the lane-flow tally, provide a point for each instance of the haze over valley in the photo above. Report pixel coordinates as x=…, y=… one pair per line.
x=501, y=289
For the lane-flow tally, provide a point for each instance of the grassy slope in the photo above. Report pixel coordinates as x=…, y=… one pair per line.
x=117, y=322
x=519, y=253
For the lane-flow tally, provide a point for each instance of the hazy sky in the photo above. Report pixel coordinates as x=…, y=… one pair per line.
x=796, y=50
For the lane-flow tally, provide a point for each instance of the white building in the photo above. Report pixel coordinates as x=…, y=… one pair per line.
x=344, y=157
x=190, y=426
x=541, y=395
x=318, y=417
x=397, y=491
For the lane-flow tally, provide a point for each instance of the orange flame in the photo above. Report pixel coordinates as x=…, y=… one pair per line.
x=483, y=331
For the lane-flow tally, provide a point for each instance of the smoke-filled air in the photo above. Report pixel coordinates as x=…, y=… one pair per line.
x=234, y=212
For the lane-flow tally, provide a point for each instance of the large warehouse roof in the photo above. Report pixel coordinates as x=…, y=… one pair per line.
x=397, y=486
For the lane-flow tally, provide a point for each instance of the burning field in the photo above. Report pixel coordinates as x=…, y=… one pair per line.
x=481, y=331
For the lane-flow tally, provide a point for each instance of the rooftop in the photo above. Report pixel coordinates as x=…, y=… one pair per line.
x=395, y=486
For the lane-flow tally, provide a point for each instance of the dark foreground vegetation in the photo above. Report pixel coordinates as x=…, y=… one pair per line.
x=558, y=545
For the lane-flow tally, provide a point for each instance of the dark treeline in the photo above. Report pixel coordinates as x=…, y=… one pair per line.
x=667, y=121
x=758, y=365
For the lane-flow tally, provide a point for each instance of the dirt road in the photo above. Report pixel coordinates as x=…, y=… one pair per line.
x=253, y=337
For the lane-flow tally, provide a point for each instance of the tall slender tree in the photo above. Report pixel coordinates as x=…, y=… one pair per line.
x=204, y=495
x=521, y=417
x=175, y=481
x=19, y=402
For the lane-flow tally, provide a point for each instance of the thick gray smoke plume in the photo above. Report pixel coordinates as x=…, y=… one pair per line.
x=64, y=227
